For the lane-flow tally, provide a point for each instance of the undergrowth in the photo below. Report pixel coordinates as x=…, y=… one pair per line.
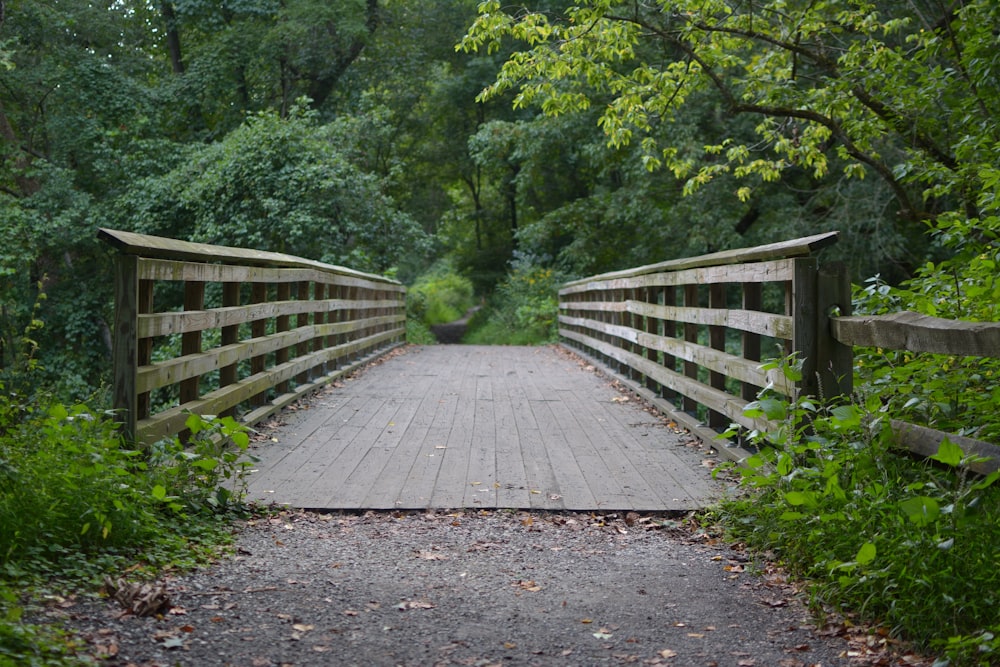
x=523, y=310
x=910, y=545
x=77, y=504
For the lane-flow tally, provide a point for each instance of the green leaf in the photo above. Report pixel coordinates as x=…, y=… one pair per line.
x=205, y=464
x=798, y=498
x=921, y=510
x=159, y=492
x=866, y=554
x=948, y=453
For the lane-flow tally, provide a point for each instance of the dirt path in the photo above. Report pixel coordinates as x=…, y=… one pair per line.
x=451, y=333
x=480, y=588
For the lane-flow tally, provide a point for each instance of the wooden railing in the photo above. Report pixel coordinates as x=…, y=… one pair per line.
x=689, y=334
x=235, y=331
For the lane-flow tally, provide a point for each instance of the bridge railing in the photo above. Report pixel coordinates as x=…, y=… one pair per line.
x=689, y=334
x=218, y=330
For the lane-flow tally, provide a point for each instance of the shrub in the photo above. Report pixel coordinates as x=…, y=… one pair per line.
x=524, y=309
x=905, y=543
x=439, y=296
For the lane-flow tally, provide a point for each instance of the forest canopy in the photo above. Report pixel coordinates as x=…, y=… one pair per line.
x=509, y=141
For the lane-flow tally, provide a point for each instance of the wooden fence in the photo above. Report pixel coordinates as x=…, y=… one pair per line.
x=235, y=330
x=689, y=334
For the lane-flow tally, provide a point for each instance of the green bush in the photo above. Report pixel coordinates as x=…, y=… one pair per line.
x=439, y=296
x=908, y=544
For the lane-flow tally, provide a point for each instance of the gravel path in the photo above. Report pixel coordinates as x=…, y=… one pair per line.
x=466, y=588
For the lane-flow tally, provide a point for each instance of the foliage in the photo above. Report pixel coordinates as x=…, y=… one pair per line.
x=27, y=645
x=439, y=296
x=279, y=184
x=910, y=545
x=523, y=310
x=951, y=393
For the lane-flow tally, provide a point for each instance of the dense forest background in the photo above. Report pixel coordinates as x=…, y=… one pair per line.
x=609, y=135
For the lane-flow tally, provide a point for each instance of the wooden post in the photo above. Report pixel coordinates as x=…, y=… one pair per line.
x=804, y=322
x=258, y=328
x=144, y=348
x=835, y=363
x=654, y=327
x=717, y=341
x=319, y=318
x=124, y=349
x=690, y=335
x=194, y=299
x=281, y=325
x=302, y=321
x=752, y=300
x=230, y=336
x=669, y=298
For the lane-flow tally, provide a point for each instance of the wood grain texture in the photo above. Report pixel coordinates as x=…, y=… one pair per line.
x=919, y=333
x=469, y=426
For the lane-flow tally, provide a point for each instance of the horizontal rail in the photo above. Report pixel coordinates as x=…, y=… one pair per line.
x=919, y=333
x=692, y=332
x=651, y=326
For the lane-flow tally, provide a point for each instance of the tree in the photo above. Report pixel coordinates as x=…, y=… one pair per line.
x=869, y=89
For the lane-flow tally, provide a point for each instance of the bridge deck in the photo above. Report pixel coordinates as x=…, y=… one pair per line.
x=454, y=426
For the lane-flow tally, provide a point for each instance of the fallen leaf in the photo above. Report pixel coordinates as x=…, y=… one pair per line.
x=509, y=645
x=586, y=620
x=529, y=585
x=431, y=555
x=350, y=612
x=602, y=635
x=667, y=653
x=299, y=627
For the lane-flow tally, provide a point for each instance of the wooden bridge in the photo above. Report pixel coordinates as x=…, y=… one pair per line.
x=454, y=426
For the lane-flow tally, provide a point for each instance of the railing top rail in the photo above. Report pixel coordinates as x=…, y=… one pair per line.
x=794, y=248
x=158, y=247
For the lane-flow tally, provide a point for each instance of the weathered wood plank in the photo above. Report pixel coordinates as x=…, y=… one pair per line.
x=793, y=248
x=925, y=441
x=571, y=448
x=762, y=272
x=919, y=333
x=179, y=271
x=145, y=245
x=165, y=324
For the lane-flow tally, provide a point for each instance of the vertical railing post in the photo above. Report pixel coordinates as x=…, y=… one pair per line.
x=230, y=336
x=690, y=335
x=753, y=300
x=194, y=299
x=319, y=319
x=302, y=321
x=125, y=344
x=835, y=364
x=804, y=322
x=717, y=341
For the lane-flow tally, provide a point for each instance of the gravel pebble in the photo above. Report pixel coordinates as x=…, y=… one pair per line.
x=466, y=588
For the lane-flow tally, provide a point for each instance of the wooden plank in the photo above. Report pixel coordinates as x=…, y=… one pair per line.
x=763, y=272
x=753, y=302
x=793, y=248
x=145, y=245
x=925, y=441
x=125, y=348
x=919, y=333
x=165, y=324
x=180, y=271
x=717, y=341
x=749, y=320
